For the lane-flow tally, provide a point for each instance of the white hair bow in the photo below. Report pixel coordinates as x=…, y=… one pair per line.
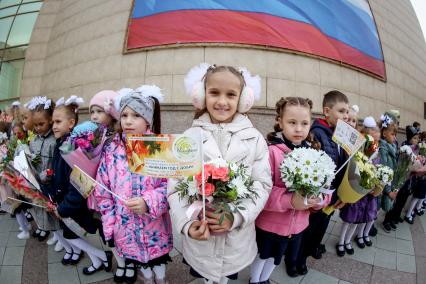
x=74, y=100
x=31, y=105
x=3, y=137
x=386, y=120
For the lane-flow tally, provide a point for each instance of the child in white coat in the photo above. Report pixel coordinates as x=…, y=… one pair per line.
x=216, y=250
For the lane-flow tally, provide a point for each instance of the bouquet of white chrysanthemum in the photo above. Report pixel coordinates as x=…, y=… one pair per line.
x=307, y=171
x=224, y=184
x=384, y=174
x=406, y=159
x=422, y=149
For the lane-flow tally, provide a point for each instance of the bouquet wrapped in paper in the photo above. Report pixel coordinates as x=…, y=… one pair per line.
x=226, y=185
x=360, y=178
x=422, y=149
x=23, y=187
x=84, y=147
x=3, y=155
x=307, y=171
x=406, y=159
x=6, y=193
x=371, y=147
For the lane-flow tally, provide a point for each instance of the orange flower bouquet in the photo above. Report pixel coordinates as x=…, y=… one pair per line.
x=225, y=186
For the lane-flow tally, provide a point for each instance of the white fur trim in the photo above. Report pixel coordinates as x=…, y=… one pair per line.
x=151, y=91
x=194, y=76
x=253, y=82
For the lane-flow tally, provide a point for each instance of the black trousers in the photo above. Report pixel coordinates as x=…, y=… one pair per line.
x=400, y=200
x=312, y=236
x=293, y=250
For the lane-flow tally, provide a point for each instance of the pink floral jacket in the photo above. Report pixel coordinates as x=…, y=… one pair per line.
x=140, y=237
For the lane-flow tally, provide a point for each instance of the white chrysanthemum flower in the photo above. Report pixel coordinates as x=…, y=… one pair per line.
x=239, y=184
x=192, y=188
x=233, y=167
x=384, y=174
x=406, y=149
x=307, y=169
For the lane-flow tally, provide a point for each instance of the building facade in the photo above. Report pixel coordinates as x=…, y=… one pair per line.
x=17, y=19
x=76, y=48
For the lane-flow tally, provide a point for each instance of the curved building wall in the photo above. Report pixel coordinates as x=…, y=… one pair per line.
x=76, y=48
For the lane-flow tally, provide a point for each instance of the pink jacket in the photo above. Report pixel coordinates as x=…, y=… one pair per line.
x=278, y=215
x=139, y=237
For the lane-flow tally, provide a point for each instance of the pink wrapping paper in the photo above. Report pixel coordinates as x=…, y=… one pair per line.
x=77, y=157
x=89, y=166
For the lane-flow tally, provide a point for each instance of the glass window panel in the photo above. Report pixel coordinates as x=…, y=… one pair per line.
x=4, y=30
x=21, y=29
x=10, y=79
x=5, y=3
x=8, y=11
x=14, y=53
x=26, y=1
x=30, y=7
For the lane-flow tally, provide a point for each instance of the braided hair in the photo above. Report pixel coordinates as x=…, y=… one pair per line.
x=280, y=107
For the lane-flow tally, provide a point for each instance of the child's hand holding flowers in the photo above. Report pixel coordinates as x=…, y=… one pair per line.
x=300, y=203
x=199, y=230
x=225, y=187
x=215, y=224
x=137, y=205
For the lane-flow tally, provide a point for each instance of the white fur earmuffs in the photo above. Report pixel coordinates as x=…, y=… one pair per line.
x=194, y=85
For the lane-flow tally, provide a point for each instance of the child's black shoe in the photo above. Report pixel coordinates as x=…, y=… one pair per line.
x=349, y=249
x=43, y=236
x=360, y=244
x=386, y=227
x=340, y=250
x=373, y=231
x=291, y=271
x=302, y=269
x=317, y=253
x=36, y=233
x=409, y=220
x=322, y=248
x=119, y=274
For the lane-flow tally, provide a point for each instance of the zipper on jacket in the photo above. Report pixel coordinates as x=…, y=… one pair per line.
x=219, y=137
x=291, y=223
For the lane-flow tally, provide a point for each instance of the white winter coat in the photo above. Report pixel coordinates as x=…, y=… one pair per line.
x=228, y=253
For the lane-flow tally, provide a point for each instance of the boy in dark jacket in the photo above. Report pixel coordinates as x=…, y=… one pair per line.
x=335, y=107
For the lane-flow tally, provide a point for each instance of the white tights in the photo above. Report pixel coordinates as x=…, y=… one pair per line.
x=261, y=269
x=96, y=255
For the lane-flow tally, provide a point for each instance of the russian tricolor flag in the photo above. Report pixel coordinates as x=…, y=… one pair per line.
x=341, y=30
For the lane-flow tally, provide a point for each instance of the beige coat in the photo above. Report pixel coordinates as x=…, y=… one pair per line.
x=228, y=253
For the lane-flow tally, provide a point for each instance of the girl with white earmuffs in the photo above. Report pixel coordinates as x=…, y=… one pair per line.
x=222, y=95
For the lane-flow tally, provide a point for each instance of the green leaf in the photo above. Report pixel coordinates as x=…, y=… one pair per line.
x=222, y=217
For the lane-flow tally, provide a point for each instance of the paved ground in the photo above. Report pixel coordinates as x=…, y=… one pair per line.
x=396, y=257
